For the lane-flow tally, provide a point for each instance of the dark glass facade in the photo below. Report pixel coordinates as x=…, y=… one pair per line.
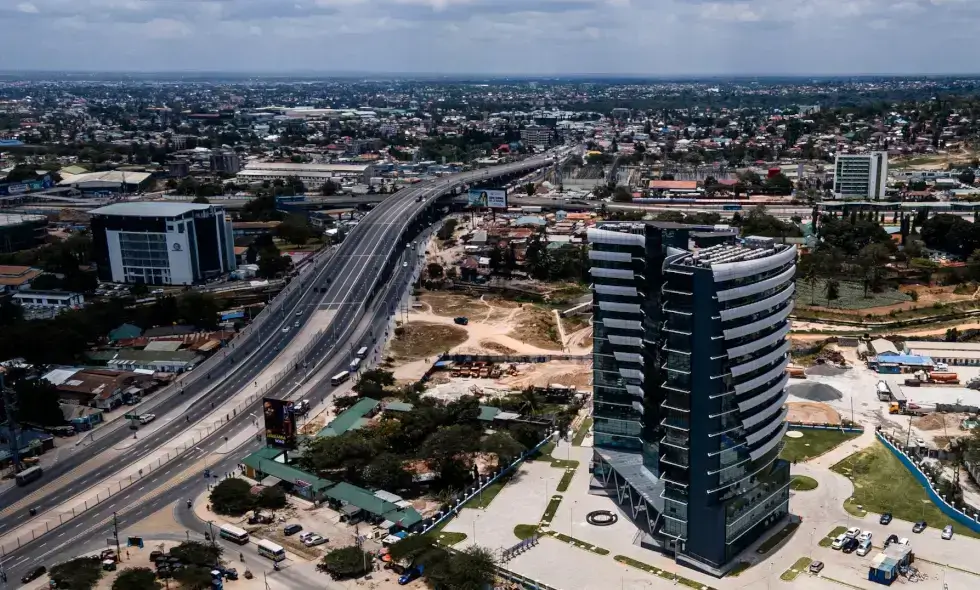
x=690, y=354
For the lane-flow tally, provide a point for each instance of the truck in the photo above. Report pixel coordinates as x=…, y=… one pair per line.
x=461, y=320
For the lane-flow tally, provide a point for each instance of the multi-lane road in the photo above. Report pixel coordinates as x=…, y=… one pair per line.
x=344, y=292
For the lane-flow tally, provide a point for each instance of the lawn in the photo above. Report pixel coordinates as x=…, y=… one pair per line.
x=566, y=480
x=449, y=539
x=489, y=493
x=802, y=483
x=661, y=573
x=525, y=531
x=812, y=444
x=829, y=539
x=582, y=431
x=883, y=484
x=549, y=512
x=798, y=567
x=851, y=295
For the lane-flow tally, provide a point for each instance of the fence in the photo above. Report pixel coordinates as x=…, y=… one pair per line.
x=971, y=522
x=839, y=427
x=515, y=358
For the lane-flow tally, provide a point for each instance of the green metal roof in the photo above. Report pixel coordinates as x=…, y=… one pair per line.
x=487, y=413
x=365, y=500
x=398, y=407
x=125, y=332
x=260, y=461
x=351, y=418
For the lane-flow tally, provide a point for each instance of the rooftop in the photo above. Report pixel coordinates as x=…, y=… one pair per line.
x=17, y=219
x=148, y=209
x=350, y=419
x=751, y=249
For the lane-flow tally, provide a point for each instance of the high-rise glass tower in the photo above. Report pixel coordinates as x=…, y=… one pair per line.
x=689, y=377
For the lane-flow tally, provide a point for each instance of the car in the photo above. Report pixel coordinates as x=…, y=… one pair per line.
x=903, y=541
x=296, y=324
x=299, y=312
x=948, y=532
x=157, y=291
x=838, y=542
x=891, y=539
x=919, y=526
x=850, y=545
x=411, y=574
x=314, y=540
x=885, y=518
x=291, y=529
x=147, y=418
x=865, y=536
x=34, y=574
x=285, y=329
x=864, y=548
x=304, y=536
x=816, y=567
x=852, y=532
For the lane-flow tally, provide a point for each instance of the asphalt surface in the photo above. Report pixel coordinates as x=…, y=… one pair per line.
x=351, y=278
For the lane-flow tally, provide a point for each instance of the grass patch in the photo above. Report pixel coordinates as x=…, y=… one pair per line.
x=582, y=432
x=544, y=454
x=798, y=568
x=739, y=568
x=525, y=531
x=483, y=500
x=883, y=484
x=566, y=480
x=829, y=539
x=449, y=539
x=812, y=444
x=854, y=508
x=661, y=573
x=536, y=326
x=580, y=544
x=851, y=295
x=780, y=535
x=419, y=340
x=802, y=483
x=549, y=512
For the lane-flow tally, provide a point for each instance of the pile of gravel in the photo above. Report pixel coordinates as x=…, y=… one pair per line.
x=814, y=392
x=825, y=370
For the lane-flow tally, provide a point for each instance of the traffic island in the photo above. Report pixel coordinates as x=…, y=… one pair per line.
x=798, y=568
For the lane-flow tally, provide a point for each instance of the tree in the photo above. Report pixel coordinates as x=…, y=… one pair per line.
x=233, y=497
x=198, y=309
x=503, y=445
x=832, y=290
x=622, y=195
x=82, y=573
x=349, y=453
x=346, y=562
x=443, y=447
x=271, y=498
x=471, y=569
x=973, y=266
x=872, y=259
x=780, y=182
x=435, y=270
x=295, y=230
x=967, y=177
x=373, y=383
x=529, y=188
x=37, y=402
x=387, y=472
x=197, y=553
x=272, y=264
x=139, y=290
x=137, y=578
x=329, y=189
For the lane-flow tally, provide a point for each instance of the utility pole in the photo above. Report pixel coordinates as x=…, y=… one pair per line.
x=115, y=533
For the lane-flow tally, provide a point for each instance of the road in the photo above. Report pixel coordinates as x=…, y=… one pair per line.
x=352, y=275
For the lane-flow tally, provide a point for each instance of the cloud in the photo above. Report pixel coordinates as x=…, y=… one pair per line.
x=655, y=37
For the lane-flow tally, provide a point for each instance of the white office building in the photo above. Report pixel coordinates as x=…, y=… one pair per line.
x=861, y=176
x=162, y=243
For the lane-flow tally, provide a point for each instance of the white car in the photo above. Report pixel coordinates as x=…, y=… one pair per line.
x=285, y=329
x=852, y=532
x=304, y=536
x=865, y=536
x=314, y=540
x=838, y=542
x=903, y=541
x=147, y=418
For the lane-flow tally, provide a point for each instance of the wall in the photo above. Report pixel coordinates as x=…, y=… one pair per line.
x=960, y=517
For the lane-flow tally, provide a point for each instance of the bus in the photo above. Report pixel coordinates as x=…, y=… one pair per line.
x=354, y=364
x=28, y=475
x=233, y=533
x=271, y=550
x=362, y=352
x=339, y=378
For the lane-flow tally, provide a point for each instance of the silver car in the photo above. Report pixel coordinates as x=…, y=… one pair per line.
x=948, y=532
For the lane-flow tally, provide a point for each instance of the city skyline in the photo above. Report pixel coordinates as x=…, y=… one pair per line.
x=504, y=37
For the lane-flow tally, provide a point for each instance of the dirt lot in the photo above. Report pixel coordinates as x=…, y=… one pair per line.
x=577, y=375
x=812, y=412
x=536, y=326
x=935, y=421
x=419, y=340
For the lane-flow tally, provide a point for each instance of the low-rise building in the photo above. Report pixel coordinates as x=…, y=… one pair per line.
x=49, y=299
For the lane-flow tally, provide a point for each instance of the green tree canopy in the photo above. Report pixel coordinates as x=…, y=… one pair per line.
x=346, y=562
x=137, y=578
x=194, y=577
x=82, y=573
x=295, y=229
x=387, y=472
x=197, y=553
x=471, y=569
x=232, y=496
x=271, y=498
x=503, y=445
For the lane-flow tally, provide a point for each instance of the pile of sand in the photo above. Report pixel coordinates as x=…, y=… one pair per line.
x=815, y=392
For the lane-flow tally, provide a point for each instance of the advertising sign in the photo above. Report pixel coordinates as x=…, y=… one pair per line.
x=280, y=423
x=232, y=315
x=495, y=198
x=26, y=187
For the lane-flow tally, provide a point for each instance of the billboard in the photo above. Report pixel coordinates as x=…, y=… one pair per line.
x=27, y=186
x=495, y=198
x=280, y=423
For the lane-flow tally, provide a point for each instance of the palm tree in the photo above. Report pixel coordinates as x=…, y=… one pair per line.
x=530, y=401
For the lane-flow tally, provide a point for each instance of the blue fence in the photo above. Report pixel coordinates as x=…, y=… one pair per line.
x=960, y=517
x=458, y=505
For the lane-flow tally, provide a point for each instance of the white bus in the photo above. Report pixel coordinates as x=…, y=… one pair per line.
x=233, y=533
x=339, y=378
x=354, y=364
x=28, y=475
x=271, y=550
x=362, y=352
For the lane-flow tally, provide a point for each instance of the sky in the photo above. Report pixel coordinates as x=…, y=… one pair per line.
x=498, y=37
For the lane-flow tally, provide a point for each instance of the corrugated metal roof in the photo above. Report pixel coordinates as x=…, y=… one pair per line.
x=268, y=466
x=350, y=419
x=149, y=209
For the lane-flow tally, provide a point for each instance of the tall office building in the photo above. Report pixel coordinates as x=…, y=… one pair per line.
x=861, y=176
x=162, y=243
x=689, y=379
